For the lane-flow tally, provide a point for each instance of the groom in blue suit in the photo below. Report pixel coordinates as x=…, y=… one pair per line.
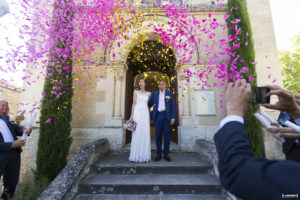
x=163, y=104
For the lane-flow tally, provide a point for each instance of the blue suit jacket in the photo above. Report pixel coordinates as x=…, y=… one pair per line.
x=170, y=104
x=247, y=176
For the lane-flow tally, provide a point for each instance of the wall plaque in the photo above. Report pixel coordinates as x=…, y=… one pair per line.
x=205, y=102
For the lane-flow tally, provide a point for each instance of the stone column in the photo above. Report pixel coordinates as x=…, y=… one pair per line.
x=119, y=75
x=185, y=98
x=191, y=99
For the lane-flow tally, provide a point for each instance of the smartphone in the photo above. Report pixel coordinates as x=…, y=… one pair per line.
x=23, y=112
x=259, y=95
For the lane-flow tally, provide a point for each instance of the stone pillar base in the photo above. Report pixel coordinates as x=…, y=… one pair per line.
x=189, y=121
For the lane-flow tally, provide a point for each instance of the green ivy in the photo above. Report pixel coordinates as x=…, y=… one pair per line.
x=55, y=121
x=237, y=9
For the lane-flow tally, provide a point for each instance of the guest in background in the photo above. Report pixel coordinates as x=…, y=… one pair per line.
x=10, y=149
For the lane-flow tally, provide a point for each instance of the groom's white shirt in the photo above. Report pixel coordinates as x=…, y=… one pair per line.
x=161, y=103
x=6, y=134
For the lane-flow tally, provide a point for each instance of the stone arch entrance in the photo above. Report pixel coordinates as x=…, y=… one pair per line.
x=117, y=52
x=152, y=61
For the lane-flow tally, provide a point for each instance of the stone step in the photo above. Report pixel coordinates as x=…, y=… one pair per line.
x=172, y=148
x=150, y=184
x=204, y=169
x=183, y=163
x=149, y=197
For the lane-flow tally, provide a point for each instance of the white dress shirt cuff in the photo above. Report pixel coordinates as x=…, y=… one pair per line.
x=231, y=118
x=297, y=121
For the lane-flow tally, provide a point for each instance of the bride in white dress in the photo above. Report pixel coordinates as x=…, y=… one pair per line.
x=140, y=150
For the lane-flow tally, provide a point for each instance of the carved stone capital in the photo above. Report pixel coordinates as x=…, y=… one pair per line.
x=119, y=74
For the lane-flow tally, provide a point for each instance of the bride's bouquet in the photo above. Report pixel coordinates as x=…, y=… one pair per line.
x=130, y=125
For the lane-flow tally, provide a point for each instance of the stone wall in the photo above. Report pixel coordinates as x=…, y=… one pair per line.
x=28, y=156
x=98, y=104
x=81, y=136
x=12, y=95
x=189, y=135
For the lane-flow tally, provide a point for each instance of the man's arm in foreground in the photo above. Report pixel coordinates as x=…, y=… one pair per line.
x=249, y=177
x=241, y=172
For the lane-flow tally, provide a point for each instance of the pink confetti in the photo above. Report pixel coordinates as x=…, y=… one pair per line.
x=67, y=69
x=226, y=16
x=250, y=79
x=100, y=25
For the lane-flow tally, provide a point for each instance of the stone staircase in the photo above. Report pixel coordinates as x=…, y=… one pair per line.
x=187, y=177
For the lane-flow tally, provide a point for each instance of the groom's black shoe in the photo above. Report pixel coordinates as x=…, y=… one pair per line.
x=157, y=158
x=167, y=158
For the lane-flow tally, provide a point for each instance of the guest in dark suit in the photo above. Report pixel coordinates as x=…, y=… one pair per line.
x=163, y=104
x=291, y=146
x=241, y=173
x=10, y=149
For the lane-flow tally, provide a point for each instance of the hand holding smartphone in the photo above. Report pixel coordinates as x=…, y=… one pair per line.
x=259, y=95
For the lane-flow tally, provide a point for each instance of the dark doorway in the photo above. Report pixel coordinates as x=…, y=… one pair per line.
x=152, y=60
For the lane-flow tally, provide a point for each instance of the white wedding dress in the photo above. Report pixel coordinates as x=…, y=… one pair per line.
x=140, y=150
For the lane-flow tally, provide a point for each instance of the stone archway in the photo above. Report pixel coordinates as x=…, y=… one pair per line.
x=118, y=50
x=151, y=59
